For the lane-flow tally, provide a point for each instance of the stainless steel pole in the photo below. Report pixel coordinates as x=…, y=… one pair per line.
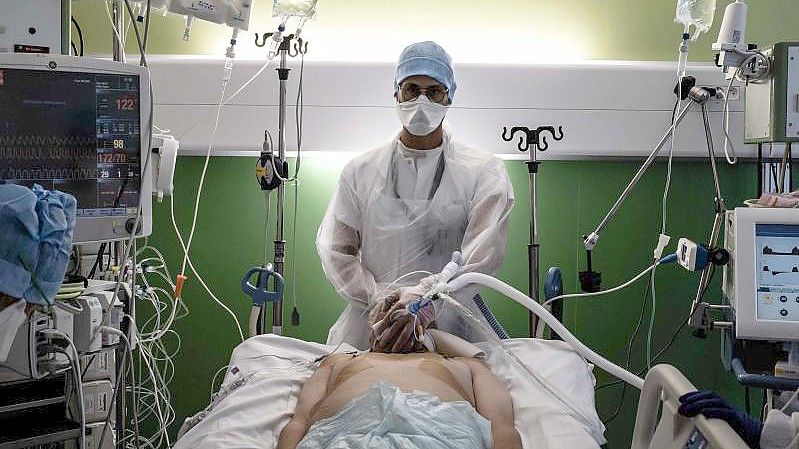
x=118, y=14
x=280, y=244
x=649, y=160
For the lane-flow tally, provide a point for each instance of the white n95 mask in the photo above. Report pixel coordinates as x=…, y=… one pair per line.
x=421, y=116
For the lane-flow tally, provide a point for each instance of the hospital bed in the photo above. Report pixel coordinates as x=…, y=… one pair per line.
x=553, y=398
x=550, y=381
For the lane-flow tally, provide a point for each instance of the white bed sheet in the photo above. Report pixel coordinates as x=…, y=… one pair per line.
x=266, y=373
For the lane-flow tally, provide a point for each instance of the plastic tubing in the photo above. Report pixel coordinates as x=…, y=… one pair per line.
x=560, y=329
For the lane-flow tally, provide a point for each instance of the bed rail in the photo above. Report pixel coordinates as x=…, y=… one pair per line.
x=663, y=385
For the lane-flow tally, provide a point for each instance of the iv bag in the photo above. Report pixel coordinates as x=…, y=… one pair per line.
x=300, y=8
x=696, y=13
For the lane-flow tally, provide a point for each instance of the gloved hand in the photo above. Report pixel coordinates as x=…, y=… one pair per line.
x=394, y=327
x=779, y=431
x=711, y=405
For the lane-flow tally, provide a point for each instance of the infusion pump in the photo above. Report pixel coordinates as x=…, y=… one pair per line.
x=761, y=281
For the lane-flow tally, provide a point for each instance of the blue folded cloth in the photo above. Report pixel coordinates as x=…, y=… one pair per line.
x=36, y=237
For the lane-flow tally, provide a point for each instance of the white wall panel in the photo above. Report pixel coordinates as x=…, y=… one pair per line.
x=606, y=109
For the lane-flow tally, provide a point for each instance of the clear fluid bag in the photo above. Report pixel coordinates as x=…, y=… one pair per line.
x=696, y=13
x=300, y=8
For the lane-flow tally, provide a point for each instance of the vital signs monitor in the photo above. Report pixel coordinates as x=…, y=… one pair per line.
x=81, y=126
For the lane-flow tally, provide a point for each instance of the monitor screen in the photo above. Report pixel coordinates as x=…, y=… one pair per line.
x=777, y=247
x=75, y=132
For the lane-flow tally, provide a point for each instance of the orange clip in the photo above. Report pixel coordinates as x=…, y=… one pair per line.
x=179, y=285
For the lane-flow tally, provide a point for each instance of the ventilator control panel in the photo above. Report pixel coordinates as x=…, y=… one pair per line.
x=762, y=279
x=777, y=252
x=75, y=132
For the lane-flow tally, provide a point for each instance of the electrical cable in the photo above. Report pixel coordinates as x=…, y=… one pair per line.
x=602, y=292
x=80, y=33
x=75, y=359
x=294, y=243
x=143, y=60
x=114, y=27
x=147, y=13
x=298, y=118
x=268, y=204
x=197, y=274
x=230, y=98
x=651, y=327
x=79, y=390
x=117, y=385
x=628, y=358
x=729, y=148
x=187, y=248
x=213, y=380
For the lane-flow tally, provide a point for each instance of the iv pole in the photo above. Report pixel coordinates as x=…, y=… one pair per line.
x=280, y=165
x=533, y=141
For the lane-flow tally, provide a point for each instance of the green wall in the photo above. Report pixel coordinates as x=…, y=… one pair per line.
x=574, y=195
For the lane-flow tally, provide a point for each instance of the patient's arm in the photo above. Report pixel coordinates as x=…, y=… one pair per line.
x=494, y=403
x=312, y=392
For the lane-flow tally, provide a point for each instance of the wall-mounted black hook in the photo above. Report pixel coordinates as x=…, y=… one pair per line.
x=524, y=140
x=534, y=136
x=541, y=139
x=264, y=37
x=300, y=48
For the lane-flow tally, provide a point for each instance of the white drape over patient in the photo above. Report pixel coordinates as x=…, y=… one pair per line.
x=397, y=210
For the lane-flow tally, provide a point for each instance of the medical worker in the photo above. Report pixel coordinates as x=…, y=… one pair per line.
x=401, y=210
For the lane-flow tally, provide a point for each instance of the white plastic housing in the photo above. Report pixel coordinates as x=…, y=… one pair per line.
x=686, y=254
x=761, y=280
x=732, y=34
x=164, y=164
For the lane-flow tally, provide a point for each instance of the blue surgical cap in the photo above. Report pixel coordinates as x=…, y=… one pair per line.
x=36, y=227
x=429, y=59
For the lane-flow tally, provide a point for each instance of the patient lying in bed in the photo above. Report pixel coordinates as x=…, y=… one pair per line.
x=420, y=400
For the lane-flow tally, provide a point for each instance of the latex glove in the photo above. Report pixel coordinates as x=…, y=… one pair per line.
x=401, y=330
x=711, y=405
x=779, y=431
x=394, y=328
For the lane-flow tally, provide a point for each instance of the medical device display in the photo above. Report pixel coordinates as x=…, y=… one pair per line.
x=772, y=104
x=79, y=127
x=762, y=279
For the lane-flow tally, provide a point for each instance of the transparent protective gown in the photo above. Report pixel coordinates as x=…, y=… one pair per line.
x=397, y=211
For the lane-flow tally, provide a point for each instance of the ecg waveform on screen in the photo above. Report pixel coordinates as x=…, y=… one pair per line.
x=28, y=157
x=23, y=174
x=52, y=142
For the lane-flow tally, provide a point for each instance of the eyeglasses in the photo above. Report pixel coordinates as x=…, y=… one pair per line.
x=410, y=92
